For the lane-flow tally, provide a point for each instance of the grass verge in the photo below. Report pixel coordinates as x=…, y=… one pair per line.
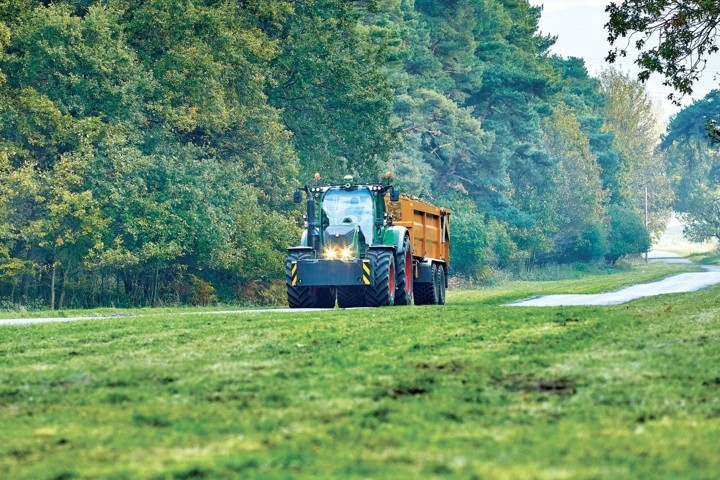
x=468, y=390
x=708, y=258
x=594, y=282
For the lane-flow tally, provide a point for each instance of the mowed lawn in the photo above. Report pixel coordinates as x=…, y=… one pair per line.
x=472, y=389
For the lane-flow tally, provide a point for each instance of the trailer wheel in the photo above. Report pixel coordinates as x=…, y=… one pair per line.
x=382, y=291
x=350, y=297
x=325, y=297
x=427, y=293
x=404, y=272
x=441, y=285
x=298, y=297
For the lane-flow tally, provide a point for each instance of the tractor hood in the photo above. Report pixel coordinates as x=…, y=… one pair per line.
x=342, y=241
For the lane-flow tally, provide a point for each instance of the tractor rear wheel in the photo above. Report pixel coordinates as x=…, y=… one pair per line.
x=325, y=297
x=298, y=297
x=350, y=297
x=404, y=272
x=441, y=285
x=427, y=293
x=381, y=293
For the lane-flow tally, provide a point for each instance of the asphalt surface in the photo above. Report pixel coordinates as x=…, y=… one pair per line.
x=684, y=282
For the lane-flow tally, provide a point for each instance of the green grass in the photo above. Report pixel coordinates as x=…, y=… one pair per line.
x=708, y=258
x=469, y=390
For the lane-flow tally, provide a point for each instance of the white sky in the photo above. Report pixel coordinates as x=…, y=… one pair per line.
x=579, y=25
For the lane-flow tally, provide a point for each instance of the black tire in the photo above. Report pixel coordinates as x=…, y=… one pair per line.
x=325, y=297
x=382, y=291
x=441, y=285
x=427, y=293
x=404, y=275
x=298, y=297
x=350, y=297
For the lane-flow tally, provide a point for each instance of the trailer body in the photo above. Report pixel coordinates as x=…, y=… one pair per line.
x=428, y=226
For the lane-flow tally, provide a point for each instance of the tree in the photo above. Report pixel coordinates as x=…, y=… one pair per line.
x=628, y=234
x=327, y=81
x=672, y=37
x=572, y=200
x=695, y=168
x=632, y=116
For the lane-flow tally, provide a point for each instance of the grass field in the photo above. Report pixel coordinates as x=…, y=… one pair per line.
x=468, y=390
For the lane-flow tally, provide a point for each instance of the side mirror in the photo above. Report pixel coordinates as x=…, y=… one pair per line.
x=297, y=197
x=394, y=195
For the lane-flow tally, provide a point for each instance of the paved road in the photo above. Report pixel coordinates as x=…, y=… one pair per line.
x=684, y=282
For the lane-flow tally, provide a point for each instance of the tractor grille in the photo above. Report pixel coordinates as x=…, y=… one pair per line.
x=339, y=236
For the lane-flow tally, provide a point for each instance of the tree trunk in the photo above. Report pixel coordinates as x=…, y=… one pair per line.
x=155, y=287
x=66, y=275
x=52, y=285
x=25, y=289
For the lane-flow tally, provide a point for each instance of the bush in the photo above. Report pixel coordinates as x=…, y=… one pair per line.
x=193, y=290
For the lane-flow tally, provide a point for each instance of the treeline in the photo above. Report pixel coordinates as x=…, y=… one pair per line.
x=148, y=150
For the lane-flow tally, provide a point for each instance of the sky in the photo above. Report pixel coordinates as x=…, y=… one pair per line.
x=579, y=26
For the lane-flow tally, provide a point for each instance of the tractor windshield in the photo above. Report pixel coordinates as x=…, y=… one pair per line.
x=348, y=207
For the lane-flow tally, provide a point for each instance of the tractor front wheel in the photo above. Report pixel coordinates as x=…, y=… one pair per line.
x=381, y=293
x=404, y=272
x=298, y=297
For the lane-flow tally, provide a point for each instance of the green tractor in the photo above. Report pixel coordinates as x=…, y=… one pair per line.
x=350, y=250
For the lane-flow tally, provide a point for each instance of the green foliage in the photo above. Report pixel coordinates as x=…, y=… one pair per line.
x=628, y=234
x=633, y=118
x=138, y=144
x=673, y=37
x=695, y=166
x=328, y=83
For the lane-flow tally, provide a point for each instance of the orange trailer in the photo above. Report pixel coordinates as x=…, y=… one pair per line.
x=428, y=226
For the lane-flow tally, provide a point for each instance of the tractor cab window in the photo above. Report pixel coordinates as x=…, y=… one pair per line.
x=344, y=207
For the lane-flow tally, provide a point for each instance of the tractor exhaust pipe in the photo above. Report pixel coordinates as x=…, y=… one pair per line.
x=313, y=225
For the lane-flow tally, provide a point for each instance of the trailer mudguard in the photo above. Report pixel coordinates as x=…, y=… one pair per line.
x=424, y=270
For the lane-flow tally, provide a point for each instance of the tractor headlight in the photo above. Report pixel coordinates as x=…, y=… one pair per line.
x=346, y=253
x=331, y=253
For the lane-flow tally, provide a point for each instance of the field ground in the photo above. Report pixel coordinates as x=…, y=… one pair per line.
x=468, y=390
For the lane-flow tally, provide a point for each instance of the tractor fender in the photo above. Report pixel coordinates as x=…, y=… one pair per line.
x=301, y=249
x=395, y=236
